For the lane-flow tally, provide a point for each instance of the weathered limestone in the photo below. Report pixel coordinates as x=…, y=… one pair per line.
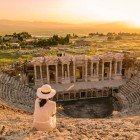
x=38, y=62
x=65, y=60
x=12, y=92
x=103, y=70
x=74, y=76
x=86, y=71
x=110, y=70
x=81, y=94
x=118, y=66
x=107, y=66
x=48, y=76
x=15, y=93
x=94, y=71
x=81, y=69
x=35, y=72
x=41, y=73
x=56, y=77
x=129, y=94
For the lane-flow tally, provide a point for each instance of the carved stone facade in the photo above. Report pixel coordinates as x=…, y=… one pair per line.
x=78, y=68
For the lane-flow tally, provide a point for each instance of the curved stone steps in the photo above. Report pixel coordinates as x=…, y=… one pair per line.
x=129, y=94
x=14, y=92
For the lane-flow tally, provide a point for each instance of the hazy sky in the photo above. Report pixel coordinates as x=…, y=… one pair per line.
x=71, y=11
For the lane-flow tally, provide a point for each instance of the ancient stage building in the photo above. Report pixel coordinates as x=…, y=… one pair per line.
x=78, y=76
x=72, y=69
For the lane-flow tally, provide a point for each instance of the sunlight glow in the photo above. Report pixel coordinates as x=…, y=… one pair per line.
x=72, y=11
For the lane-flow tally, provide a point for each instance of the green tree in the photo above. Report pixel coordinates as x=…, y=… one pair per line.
x=21, y=36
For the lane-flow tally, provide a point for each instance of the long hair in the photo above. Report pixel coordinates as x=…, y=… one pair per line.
x=43, y=102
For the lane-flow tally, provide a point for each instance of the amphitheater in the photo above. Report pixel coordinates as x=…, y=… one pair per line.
x=125, y=94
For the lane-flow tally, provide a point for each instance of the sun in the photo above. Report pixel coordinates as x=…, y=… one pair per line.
x=136, y=23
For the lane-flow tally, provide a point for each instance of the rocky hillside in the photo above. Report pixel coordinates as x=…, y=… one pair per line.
x=18, y=126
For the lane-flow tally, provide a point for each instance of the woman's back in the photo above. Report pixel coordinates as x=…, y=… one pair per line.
x=45, y=115
x=45, y=110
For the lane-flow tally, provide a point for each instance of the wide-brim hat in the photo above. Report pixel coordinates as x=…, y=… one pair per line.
x=45, y=92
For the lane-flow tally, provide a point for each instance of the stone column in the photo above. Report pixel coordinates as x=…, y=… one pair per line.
x=35, y=72
x=48, y=75
x=110, y=72
x=74, y=71
x=103, y=70
x=68, y=69
x=121, y=68
x=41, y=72
x=41, y=75
x=56, y=68
x=62, y=71
x=86, y=71
x=91, y=70
x=115, y=67
x=97, y=68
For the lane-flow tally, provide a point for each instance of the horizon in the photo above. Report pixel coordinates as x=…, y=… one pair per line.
x=74, y=23
x=51, y=28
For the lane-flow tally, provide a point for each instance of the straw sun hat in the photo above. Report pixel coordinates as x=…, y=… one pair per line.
x=45, y=92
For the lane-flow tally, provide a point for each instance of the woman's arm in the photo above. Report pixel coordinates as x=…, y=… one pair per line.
x=54, y=109
x=37, y=101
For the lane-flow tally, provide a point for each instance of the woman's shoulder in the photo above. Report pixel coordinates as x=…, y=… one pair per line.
x=52, y=102
x=37, y=99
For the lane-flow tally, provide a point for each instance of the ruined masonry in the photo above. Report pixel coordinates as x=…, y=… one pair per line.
x=129, y=93
x=74, y=78
x=15, y=94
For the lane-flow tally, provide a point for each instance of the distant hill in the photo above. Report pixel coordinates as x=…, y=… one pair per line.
x=49, y=28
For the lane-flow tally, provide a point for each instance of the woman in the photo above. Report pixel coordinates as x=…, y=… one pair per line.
x=45, y=110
